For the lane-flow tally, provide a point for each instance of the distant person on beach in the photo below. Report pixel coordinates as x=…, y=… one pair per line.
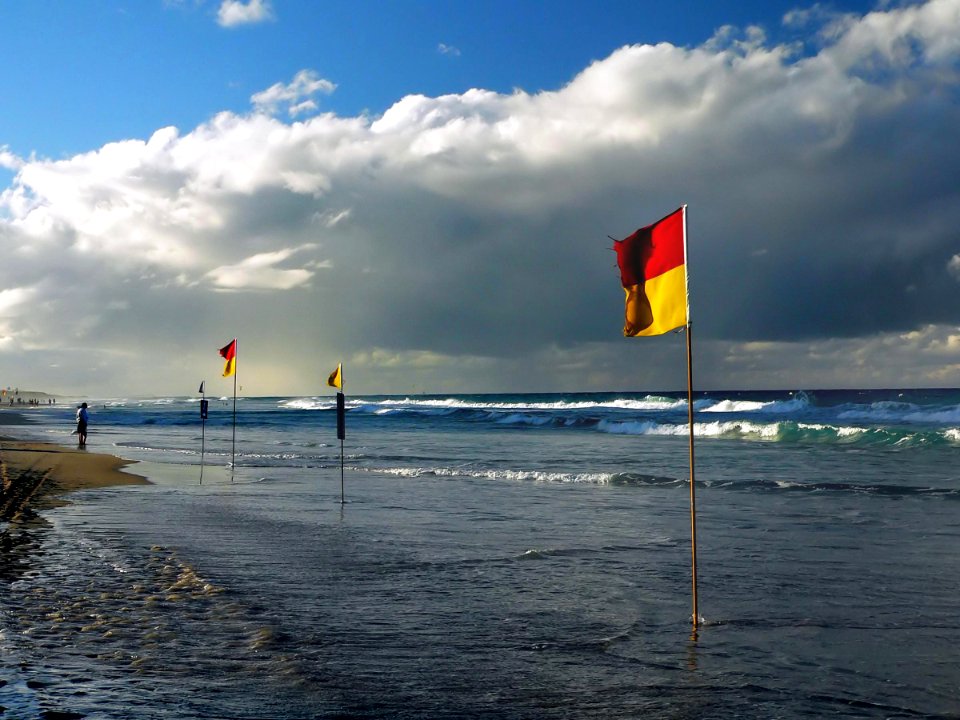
x=82, y=417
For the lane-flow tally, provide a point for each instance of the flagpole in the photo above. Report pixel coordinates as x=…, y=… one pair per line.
x=203, y=428
x=693, y=486
x=233, y=449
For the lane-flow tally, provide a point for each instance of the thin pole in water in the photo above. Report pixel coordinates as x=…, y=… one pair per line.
x=203, y=427
x=693, y=487
x=233, y=449
x=341, y=427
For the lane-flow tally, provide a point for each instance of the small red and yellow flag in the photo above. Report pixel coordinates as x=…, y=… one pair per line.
x=653, y=273
x=336, y=377
x=229, y=353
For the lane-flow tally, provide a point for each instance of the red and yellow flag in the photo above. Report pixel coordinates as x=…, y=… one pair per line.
x=336, y=377
x=653, y=273
x=229, y=353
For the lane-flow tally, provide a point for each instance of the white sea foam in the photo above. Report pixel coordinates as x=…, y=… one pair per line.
x=731, y=406
x=740, y=428
x=539, y=476
x=850, y=431
x=732, y=428
x=795, y=404
x=650, y=402
x=786, y=484
x=312, y=403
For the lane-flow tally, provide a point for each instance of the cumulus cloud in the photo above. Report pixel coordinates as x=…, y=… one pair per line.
x=238, y=12
x=297, y=97
x=470, y=230
x=445, y=49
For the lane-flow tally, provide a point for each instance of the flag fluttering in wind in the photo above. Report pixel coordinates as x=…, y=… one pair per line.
x=653, y=273
x=229, y=353
x=336, y=377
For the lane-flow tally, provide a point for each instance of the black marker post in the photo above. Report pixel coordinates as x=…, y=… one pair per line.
x=341, y=434
x=336, y=381
x=204, y=408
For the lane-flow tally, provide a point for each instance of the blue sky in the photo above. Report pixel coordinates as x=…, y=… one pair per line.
x=424, y=191
x=94, y=72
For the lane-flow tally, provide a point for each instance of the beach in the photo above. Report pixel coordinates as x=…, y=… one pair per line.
x=496, y=557
x=32, y=470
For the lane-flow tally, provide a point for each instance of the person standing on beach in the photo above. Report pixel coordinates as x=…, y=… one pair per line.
x=82, y=417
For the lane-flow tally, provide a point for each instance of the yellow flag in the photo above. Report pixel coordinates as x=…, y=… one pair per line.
x=336, y=378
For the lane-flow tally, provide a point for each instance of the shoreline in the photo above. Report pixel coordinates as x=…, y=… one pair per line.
x=32, y=470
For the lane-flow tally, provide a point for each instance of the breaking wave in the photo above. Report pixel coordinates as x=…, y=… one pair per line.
x=889, y=418
x=788, y=431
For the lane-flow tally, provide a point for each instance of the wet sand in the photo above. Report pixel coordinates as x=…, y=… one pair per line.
x=31, y=470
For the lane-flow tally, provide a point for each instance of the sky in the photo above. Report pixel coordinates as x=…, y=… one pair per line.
x=427, y=192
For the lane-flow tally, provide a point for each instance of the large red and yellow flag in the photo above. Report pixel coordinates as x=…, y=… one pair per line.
x=229, y=353
x=653, y=272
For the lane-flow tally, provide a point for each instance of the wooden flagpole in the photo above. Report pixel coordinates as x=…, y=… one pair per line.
x=693, y=486
x=633, y=263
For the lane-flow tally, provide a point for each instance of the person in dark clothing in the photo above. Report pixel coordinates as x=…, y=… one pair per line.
x=82, y=418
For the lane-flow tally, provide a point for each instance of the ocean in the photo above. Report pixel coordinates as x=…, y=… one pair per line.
x=496, y=556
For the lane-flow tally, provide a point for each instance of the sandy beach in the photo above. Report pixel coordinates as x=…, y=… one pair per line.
x=31, y=470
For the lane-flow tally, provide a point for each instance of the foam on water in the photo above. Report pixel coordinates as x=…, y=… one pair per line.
x=646, y=403
x=795, y=405
x=508, y=475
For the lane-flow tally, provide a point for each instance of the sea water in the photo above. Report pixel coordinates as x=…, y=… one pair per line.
x=522, y=556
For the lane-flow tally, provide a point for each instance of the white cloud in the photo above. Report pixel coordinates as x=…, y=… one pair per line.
x=8, y=160
x=259, y=272
x=953, y=266
x=470, y=230
x=445, y=49
x=296, y=97
x=13, y=297
x=238, y=12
